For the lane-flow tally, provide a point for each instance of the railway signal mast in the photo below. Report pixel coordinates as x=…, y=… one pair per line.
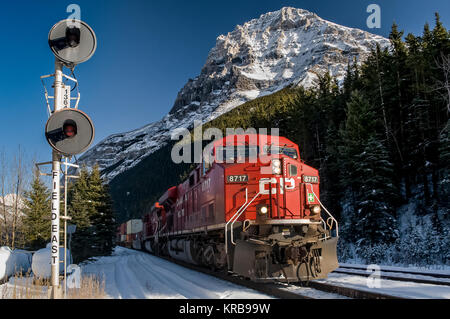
x=69, y=131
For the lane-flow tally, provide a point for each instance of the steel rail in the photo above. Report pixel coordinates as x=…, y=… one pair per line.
x=395, y=278
x=411, y=272
x=349, y=291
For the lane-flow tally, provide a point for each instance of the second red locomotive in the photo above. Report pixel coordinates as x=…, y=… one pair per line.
x=252, y=208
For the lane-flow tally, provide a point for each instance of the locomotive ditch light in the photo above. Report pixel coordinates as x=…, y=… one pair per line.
x=316, y=209
x=263, y=210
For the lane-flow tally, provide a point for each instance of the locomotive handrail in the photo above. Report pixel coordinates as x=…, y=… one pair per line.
x=326, y=210
x=235, y=217
x=246, y=206
x=231, y=219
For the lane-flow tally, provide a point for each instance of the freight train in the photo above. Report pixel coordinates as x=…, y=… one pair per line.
x=251, y=208
x=127, y=233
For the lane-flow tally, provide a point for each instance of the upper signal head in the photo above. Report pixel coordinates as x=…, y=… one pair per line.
x=72, y=41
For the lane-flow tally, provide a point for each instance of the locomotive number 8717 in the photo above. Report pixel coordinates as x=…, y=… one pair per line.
x=253, y=208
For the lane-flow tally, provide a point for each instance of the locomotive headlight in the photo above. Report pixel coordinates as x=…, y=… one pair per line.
x=276, y=167
x=316, y=209
x=263, y=210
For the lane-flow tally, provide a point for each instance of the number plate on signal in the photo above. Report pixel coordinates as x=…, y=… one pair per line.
x=311, y=179
x=237, y=178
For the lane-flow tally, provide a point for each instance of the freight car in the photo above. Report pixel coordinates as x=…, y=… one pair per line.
x=252, y=208
x=128, y=232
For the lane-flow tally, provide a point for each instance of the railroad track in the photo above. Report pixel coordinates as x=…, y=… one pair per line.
x=275, y=290
x=427, y=278
x=319, y=289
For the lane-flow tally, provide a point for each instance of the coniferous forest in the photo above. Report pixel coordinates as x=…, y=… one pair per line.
x=380, y=140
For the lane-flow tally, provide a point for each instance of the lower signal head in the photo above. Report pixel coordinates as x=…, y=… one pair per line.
x=69, y=131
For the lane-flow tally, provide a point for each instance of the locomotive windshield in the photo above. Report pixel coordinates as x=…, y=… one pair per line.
x=235, y=153
x=281, y=150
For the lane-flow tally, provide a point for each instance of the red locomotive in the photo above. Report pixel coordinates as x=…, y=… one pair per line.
x=252, y=208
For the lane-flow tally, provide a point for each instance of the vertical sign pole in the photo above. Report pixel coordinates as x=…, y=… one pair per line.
x=65, y=228
x=56, y=158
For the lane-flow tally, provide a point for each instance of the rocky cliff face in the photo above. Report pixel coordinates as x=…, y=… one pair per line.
x=286, y=47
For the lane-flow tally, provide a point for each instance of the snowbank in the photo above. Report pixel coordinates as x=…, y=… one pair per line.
x=41, y=262
x=131, y=274
x=13, y=261
x=73, y=276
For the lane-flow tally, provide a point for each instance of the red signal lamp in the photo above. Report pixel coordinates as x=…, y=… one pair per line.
x=70, y=128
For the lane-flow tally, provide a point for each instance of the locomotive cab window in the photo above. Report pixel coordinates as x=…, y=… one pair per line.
x=239, y=153
x=281, y=150
x=293, y=171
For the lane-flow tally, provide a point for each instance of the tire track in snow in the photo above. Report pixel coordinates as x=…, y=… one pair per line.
x=162, y=290
x=213, y=287
x=127, y=283
x=187, y=288
x=135, y=274
x=104, y=268
x=108, y=270
x=201, y=282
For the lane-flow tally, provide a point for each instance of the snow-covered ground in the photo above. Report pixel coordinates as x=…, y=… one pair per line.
x=403, y=289
x=131, y=274
x=134, y=274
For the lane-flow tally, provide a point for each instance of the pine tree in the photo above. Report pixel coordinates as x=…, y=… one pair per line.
x=397, y=94
x=80, y=211
x=37, y=222
x=377, y=195
x=444, y=166
x=440, y=39
x=103, y=222
x=90, y=207
x=367, y=172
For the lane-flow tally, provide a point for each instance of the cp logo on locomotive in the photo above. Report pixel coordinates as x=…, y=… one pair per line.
x=288, y=182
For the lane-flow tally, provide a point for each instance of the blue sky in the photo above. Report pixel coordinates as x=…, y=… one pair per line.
x=147, y=50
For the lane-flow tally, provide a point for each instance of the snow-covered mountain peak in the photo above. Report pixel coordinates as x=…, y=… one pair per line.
x=262, y=56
